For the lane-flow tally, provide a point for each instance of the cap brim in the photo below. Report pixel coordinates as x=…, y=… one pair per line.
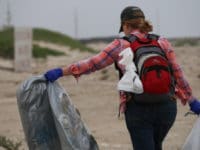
x=121, y=29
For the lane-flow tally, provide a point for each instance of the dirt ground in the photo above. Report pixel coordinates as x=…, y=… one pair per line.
x=96, y=97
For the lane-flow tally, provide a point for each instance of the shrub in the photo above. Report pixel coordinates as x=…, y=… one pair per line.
x=9, y=144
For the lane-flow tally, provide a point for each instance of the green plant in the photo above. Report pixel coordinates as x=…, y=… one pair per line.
x=39, y=52
x=9, y=144
x=7, y=43
x=58, y=38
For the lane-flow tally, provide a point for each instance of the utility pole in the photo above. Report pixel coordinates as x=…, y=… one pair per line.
x=1, y=19
x=8, y=15
x=158, y=20
x=76, y=23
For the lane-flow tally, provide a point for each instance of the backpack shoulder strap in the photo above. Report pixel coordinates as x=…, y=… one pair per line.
x=153, y=36
x=130, y=38
x=149, y=37
x=119, y=70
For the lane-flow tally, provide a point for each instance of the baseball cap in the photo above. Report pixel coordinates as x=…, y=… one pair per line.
x=130, y=12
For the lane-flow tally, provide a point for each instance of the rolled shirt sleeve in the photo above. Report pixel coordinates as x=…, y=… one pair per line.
x=103, y=59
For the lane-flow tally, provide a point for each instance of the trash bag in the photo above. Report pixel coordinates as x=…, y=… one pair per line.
x=49, y=119
x=71, y=130
x=193, y=140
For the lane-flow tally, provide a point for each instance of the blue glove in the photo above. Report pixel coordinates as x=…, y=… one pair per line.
x=195, y=106
x=53, y=74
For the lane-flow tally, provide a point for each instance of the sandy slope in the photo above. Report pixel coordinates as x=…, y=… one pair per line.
x=96, y=97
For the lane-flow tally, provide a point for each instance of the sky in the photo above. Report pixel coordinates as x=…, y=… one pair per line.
x=101, y=18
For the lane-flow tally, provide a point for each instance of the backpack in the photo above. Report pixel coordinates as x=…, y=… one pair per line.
x=153, y=68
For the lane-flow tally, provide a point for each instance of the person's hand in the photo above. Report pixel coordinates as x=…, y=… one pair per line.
x=53, y=74
x=195, y=106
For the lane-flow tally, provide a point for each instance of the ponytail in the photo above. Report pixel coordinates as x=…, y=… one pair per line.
x=146, y=26
x=143, y=25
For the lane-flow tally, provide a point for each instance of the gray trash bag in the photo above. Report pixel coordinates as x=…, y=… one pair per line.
x=193, y=140
x=36, y=116
x=49, y=119
x=71, y=129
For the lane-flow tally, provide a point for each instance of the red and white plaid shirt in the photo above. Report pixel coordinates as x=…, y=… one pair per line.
x=109, y=55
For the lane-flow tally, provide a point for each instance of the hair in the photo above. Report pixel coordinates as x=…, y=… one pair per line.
x=140, y=23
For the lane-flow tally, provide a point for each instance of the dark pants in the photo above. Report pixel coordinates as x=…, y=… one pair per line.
x=149, y=124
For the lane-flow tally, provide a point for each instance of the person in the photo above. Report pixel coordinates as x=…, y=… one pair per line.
x=148, y=124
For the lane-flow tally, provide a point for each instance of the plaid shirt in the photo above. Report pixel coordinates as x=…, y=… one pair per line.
x=109, y=55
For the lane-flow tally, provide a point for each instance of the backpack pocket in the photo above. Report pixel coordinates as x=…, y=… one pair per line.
x=155, y=75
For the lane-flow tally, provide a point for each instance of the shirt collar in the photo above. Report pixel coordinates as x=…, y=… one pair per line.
x=138, y=34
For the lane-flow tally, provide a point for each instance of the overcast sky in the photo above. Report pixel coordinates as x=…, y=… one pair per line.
x=97, y=18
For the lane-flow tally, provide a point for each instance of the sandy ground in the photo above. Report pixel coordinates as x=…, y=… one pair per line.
x=96, y=98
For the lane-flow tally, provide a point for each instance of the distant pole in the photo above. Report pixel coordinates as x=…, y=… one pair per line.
x=8, y=15
x=158, y=20
x=76, y=23
x=1, y=19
